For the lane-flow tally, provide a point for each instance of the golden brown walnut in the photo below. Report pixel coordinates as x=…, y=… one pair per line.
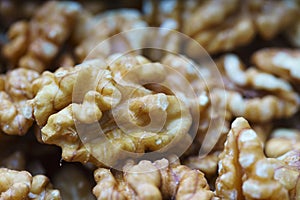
x=73, y=183
x=282, y=62
x=132, y=118
x=16, y=90
x=146, y=180
x=281, y=141
x=96, y=29
x=35, y=44
x=245, y=172
x=272, y=17
x=256, y=95
x=15, y=185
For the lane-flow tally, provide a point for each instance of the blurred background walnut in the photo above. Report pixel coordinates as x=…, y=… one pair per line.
x=34, y=44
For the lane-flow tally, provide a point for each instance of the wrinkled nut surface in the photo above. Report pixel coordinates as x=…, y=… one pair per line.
x=245, y=172
x=15, y=185
x=110, y=23
x=34, y=44
x=146, y=180
x=15, y=91
x=281, y=141
x=282, y=62
x=263, y=102
x=133, y=118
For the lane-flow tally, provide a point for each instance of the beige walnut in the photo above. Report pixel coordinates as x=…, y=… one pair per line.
x=132, y=118
x=246, y=173
x=281, y=141
x=16, y=89
x=146, y=180
x=35, y=44
x=254, y=94
x=282, y=62
x=95, y=29
x=15, y=185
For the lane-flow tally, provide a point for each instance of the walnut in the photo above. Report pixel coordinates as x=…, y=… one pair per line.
x=132, y=117
x=272, y=17
x=293, y=31
x=249, y=96
x=147, y=180
x=16, y=90
x=21, y=185
x=109, y=24
x=245, y=172
x=282, y=62
x=35, y=44
x=282, y=140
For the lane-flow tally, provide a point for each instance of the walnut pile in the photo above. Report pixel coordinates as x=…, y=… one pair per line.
x=15, y=90
x=161, y=179
x=246, y=173
x=15, y=185
x=34, y=44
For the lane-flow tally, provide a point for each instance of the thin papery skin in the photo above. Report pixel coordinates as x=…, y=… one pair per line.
x=276, y=99
x=98, y=28
x=54, y=91
x=16, y=89
x=109, y=147
x=282, y=62
x=35, y=44
x=146, y=180
x=281, y=141
x=15, y=185
x=246, y=173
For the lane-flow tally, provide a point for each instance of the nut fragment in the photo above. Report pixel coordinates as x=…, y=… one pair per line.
x=35, y=44
x=16, y=90
x=16, y=185
x=245, y=172
x=146, y=180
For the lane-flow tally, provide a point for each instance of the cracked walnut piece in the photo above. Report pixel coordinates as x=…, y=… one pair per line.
x=16, y=89
x=245, y=172
x=146, y=180
x=34, y=44
x=16, y=185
